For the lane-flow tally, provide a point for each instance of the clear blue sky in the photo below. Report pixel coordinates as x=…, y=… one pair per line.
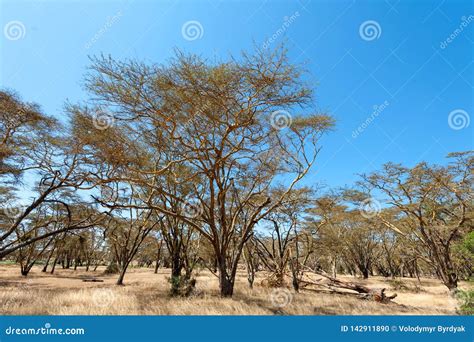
x=408, y=64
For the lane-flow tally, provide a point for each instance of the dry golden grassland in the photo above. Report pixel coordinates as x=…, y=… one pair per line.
x=146, y=293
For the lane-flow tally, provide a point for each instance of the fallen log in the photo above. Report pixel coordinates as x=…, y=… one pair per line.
x=363, y=292
x=92, y=280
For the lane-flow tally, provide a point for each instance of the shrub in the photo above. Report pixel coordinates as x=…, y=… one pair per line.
x=466, y=299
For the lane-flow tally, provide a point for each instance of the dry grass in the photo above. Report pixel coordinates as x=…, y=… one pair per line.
x=146, y=293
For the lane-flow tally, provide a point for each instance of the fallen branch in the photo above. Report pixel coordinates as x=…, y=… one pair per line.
x=363, y=292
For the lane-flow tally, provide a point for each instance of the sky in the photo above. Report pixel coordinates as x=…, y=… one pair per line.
x=397, y=76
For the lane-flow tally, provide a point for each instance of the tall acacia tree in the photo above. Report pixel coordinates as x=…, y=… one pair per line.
x=435, y=208
x=35, y=144
x=228, y=123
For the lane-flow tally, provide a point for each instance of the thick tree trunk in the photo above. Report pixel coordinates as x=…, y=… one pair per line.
x=226, y=281
x=226, y=286
x=176, y=267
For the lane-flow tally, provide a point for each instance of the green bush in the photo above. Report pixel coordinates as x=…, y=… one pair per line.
x=466, y=301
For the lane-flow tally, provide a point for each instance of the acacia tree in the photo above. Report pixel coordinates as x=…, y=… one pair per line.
x=326, y=228
x=280, y=249
x=127, y=228
x=34, y=144
x=226, y=123
x=360, y=241
x=435, y=207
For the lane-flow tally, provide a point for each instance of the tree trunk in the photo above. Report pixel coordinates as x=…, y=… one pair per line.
x=121, y=277
x=176, y=267
x=226, y=286
x=226, y=281
x=54, y=265
x=365, y=273
x=45, y=268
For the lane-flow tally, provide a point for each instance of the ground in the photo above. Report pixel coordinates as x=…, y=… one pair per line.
x=146, y=293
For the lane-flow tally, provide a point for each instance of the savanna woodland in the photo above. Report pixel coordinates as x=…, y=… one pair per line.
x=180, y=189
